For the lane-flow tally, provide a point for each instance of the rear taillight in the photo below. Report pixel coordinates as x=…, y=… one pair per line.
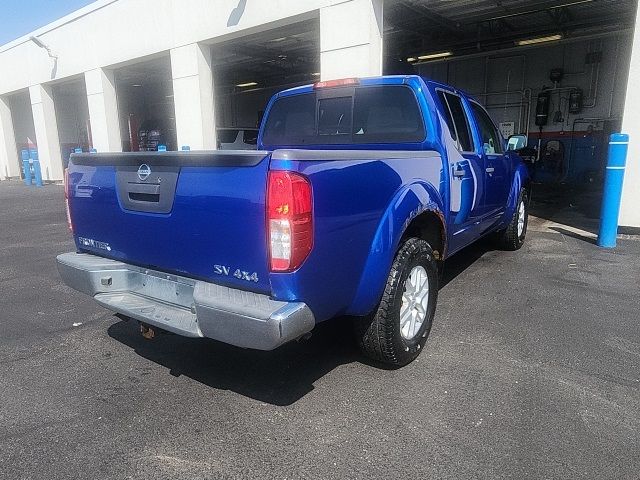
x=66, y=198
x=289, y=220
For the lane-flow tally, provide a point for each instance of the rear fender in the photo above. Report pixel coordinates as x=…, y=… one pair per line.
x=409, y=202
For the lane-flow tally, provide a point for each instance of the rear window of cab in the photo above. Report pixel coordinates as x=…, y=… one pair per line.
x=360, y=115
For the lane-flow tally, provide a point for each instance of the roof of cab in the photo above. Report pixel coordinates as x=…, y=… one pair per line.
x=381, y=80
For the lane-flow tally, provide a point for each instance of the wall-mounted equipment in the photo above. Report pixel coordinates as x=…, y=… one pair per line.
x=542, y=108
x=556, y=74
x=575, y=101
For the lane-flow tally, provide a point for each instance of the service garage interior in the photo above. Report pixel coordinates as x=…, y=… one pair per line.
x=554, y=72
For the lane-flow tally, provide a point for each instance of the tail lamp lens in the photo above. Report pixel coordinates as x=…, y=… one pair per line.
x=290, y=220
x=66, y=198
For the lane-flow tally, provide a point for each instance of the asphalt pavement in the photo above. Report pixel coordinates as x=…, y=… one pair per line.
x=532, y=370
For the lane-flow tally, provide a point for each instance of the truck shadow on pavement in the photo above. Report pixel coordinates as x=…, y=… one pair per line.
x=280, y=377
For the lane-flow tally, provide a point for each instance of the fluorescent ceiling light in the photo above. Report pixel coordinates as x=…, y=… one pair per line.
x=533, y=41
x=136, y=85
x=248, y=84
x=411, y=59
x=433, y=56
x=315, y=74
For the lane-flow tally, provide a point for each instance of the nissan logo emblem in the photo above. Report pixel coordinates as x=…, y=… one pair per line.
x=143, y=172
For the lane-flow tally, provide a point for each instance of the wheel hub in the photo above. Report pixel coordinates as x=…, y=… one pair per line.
x=521, y=217
x=415, y=300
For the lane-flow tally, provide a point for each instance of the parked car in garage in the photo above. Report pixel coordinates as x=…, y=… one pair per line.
x=233, y=138
x=358, y=193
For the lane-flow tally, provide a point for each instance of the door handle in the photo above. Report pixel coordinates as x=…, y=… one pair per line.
x=490, y=170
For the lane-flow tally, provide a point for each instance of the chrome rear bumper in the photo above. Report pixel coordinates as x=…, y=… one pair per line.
x=185, y=306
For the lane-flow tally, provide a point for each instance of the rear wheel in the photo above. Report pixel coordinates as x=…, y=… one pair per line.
x=397, y=330
x=512, y=238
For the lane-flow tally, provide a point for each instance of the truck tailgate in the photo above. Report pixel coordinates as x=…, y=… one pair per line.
x=197, y=214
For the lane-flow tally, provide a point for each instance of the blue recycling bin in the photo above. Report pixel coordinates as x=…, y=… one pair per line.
x=26, y=167
x=35, y=164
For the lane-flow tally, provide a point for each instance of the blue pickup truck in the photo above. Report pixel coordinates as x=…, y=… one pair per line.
x=358, y=192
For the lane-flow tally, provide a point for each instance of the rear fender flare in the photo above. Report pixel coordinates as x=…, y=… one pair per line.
x=408, y=203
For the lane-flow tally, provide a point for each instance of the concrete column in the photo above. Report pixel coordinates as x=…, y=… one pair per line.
x=9, y=166
x=46, y=126
x=630, y=207
x=193, y=96
x=103, y=110
x=351, y=39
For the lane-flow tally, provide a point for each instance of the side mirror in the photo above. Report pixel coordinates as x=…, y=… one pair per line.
x=516, y=142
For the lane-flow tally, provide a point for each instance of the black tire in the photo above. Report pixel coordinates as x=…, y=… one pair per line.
x=378, y=334
x=508, y=239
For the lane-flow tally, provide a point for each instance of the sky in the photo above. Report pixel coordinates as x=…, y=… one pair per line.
x=19, y=17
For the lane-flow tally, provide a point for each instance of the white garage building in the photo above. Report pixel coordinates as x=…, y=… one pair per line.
x=184, y=68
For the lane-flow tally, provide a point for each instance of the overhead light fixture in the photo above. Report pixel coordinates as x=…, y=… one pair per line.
x=533, y=41
x=411, y=59
x=434, y=56
x=169, y=96
x=248, y=84
x=315, y=74
x=136, y=85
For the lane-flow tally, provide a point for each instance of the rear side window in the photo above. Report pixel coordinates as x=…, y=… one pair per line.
x=388, y=114
x=447, y=114
x=459, y=119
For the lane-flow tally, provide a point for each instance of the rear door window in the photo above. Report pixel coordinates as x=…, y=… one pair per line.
x=380, y=114
x=459, y=119
x=448, y=118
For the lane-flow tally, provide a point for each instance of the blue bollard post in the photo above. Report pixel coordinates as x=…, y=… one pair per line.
x=35, y=162
x=162, y=148
x=26, y=167
x=618, y=144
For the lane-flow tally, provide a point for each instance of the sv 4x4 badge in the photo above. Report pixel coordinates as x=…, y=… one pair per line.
x=240, y=274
